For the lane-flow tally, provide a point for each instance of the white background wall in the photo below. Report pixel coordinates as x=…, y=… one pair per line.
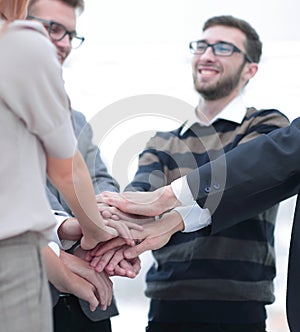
x=139, y=47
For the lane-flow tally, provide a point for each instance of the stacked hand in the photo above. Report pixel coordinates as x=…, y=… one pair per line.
x=141, y=203
x=130, y=230
x=115, y=256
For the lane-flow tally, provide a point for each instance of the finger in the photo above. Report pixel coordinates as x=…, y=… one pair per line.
x=128, y=267
x=104, y=261
x=99, y=199
x=115, y=260
x=93, y=300
x=136, y=264
x=118, y=271
x=95, y=261
x=134, y=252
x=91, y=253
x=122, y=229
x=107, y=246
x=133, y=225
x=106, y=214
x=105, y=295
x=108, y=211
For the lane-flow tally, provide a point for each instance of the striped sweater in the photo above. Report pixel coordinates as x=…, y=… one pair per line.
x=196, y=277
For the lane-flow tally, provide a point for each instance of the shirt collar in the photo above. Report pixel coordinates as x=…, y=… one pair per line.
x=234, y=112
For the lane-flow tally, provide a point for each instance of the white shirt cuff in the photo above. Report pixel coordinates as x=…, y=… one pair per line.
x=60, y=217
x=194, y=217
x=182, y=191
x=55, y=248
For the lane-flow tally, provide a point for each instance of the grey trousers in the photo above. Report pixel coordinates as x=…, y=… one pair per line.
x=25, y=303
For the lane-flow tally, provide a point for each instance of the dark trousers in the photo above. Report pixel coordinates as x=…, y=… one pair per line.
x=68, y=316
x=199, y=327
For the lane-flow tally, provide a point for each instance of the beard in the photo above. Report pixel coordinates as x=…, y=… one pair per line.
x=222, y=88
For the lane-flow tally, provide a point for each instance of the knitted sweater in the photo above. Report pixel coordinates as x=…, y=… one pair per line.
x=196, y=277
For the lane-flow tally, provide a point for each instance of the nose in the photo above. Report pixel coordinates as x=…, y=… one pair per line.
x=208, y=54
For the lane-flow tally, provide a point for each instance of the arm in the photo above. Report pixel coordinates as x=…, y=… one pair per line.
x=251, y=184
x=72, y=179
x=247, y=180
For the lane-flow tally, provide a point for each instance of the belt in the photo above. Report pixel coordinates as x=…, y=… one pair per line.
x=61, y=295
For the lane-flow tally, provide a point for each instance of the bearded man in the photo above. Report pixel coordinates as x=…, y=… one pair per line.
x=220, y=282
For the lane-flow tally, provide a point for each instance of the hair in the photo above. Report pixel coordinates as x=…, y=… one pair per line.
x=76, y=4
x=15, y=8
x=253, y=43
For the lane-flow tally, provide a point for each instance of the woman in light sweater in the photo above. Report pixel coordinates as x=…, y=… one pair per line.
x=37, y=139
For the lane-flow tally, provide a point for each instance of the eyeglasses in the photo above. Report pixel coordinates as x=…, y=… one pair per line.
x=219, y=49
x=58, y=31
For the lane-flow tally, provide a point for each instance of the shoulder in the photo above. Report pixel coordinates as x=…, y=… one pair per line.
x=169, y=134
x=81, y=124
x=252, y=112
x=27, y=26
x=79, y=117
x=28, y=31
x=27, y=42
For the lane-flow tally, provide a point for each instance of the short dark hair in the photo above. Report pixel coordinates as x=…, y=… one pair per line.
x=76, y=4
x=253, y=43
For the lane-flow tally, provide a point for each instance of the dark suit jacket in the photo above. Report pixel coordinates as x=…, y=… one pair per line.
x=250, y=179
x=102, y=180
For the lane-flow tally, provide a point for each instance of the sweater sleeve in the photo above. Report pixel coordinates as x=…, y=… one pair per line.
x=33, y=88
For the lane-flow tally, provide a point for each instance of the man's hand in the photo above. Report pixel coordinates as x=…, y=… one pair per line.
x=141, y=203
x=109, y=256
x=111, y=212
x=154, y=236
x=101, y=281
x=67, y=281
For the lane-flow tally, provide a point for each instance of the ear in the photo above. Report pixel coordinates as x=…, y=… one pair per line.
x=249, y=71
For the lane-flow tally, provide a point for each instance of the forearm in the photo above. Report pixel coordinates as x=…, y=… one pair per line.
x=77, y=189
x=56, y=271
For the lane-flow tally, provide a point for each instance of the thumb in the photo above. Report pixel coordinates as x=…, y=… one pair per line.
x=135, y=251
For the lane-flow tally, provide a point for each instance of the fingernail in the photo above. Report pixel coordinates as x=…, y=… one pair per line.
x=128, y=254
x=99, y=268
x=110, y=267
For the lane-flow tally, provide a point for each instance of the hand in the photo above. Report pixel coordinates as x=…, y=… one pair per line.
x=111, y=212
x=67, y=281
x=155, y=235
x=111, y=229
x=101, y=281
x=141, y=203
x=109, y=256
x=70, y=230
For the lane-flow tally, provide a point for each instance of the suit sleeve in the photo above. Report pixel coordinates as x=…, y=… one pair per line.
x=100, y=176
x=249, y=179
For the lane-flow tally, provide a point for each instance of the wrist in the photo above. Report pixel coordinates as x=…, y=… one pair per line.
x=174, y=221
x=169, y=199
x=61, y=229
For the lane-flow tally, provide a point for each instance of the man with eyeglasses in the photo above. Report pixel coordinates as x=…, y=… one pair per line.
x=69, y=312
x=199, y=281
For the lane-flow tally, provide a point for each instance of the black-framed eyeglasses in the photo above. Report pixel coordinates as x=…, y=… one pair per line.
x=58, y=31
x=219, y=49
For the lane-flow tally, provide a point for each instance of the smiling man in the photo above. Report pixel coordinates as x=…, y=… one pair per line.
x=204, y=282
